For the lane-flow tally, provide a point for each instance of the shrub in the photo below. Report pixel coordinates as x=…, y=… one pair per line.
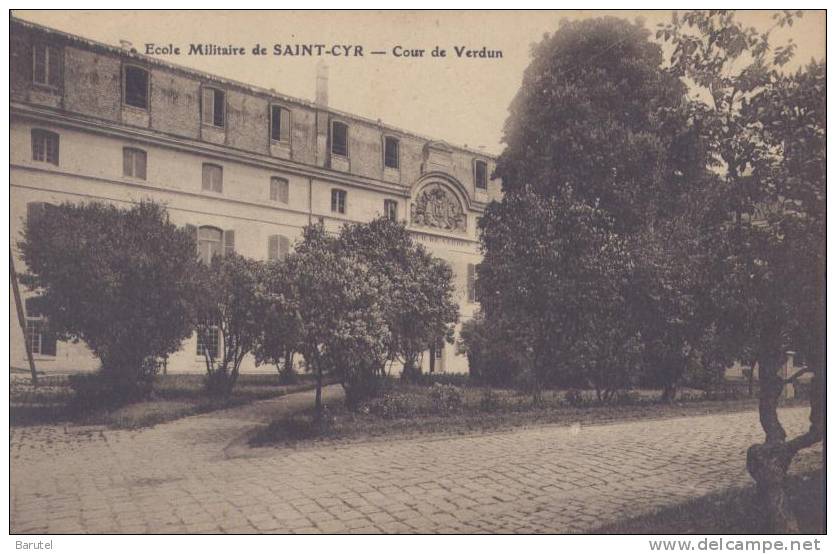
x=446, y=398
x=575, y=397
x=489, y=401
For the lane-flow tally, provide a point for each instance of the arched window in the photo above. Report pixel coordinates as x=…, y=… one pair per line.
x=209, y=243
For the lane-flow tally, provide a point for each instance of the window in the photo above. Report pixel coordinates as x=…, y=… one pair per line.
x=209, y=339
x=44, y=146
x=209, y=243
x=338, y=201
x=278, y=247
x=339, y=138
x=213, y=178
x=136, y=87
x=391, y=152
x=472, y=293
x=40, y=341
x=213, y=106
x=390, y=209
x=279, y=124
x=480, y=174
x=279, y=190
x=134, y=163
x=47, y=65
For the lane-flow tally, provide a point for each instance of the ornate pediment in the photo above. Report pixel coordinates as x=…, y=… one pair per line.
x=436, y=206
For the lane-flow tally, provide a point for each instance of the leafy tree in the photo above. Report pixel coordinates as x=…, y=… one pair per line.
x=342, y=314
x=229, y=317
x=493, y=347
x=419, y=308
x=766, y=133
x=557, y=274
x=122, y=281
x=280, y=326
x=597, y=114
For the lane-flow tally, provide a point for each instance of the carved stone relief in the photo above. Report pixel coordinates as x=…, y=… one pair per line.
x=435, y=206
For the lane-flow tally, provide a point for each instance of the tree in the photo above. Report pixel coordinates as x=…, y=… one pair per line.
x=597, y=114
x=557, y=275
x=342, y=314
x=419, y=308
x=279, y=336
x=229, y=317
x=766, y=132
x=122, y=281
x=599, y=134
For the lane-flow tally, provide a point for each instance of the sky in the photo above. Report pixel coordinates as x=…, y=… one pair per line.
x=463, y=101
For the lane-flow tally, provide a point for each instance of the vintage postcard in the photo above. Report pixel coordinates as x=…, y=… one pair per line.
x=418, y=272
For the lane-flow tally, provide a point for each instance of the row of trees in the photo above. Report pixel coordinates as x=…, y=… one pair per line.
x=129, y=284
x=651, y=229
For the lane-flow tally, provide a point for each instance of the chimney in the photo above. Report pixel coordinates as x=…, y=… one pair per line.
x=322, y=84
x=126, y=45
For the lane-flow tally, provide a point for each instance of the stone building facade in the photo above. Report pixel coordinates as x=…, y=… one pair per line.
x=248, y=167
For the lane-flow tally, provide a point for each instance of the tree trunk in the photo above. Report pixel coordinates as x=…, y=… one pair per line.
x=767, y=464
x=669, y=393
x=318, y=401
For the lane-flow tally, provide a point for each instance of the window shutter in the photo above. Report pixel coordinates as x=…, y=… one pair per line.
x=141, y=164
x=56, y=67
x=284, y=246
x=273, y=247
x=39, y=56
x=208, y=105
x=471, y=283
x=48, y=343
x=229, y=242
x=284, y=125
x=127, y=163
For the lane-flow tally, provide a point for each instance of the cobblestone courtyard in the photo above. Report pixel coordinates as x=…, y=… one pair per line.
x=196, y=475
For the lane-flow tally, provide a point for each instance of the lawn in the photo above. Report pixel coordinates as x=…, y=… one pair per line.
x=731, y=512
x=174, y=397
x=409, y=410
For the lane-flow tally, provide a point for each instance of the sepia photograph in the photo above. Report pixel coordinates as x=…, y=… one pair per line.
x=461, y=272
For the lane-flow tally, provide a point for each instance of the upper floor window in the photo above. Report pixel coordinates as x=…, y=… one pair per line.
x=209, y=243
x=390, y=209
x=136, y=84
x=391, y=152
x=38, y=338
x=47, y=65
x=279, y=190
x=338, y=201
x=339, y=138
x=480, y=174
x=44, y=146
x=214, y=106
x=279, y=124
x=213, y=178
x=278, y=247
x=134, y=163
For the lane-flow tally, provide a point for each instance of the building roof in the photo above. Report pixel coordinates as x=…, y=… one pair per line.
x=253, y=89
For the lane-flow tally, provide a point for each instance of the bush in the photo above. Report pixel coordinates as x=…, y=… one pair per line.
x=446, y=398
x=107, y=390
x=489, y=401
x=575, y=398
x=390, y=405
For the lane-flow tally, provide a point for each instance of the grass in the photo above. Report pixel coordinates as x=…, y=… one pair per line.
x=734, y=511
x=174, y=397
x=404, y=410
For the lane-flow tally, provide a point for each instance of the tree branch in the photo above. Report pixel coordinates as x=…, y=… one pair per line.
x=792, y=378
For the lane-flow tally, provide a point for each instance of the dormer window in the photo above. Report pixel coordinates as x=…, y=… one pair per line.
x=213, y=109
x=480, y=174
x=136, y=84
x=47, y=65
x=339, y=138
x=391, y=152
x=279, y=124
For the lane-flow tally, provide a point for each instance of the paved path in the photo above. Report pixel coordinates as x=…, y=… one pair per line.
x=193, y=475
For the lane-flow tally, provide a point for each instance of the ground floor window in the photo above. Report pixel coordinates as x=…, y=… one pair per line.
x=209, y=339
x=39, y=339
